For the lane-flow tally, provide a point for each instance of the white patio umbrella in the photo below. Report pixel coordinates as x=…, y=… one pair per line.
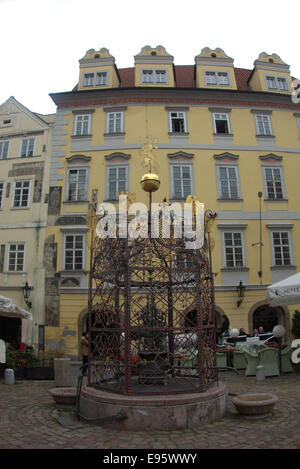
x=285, y=292
x=11, y=310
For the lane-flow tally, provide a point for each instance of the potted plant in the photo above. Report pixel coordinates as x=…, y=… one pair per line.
x=17, y=361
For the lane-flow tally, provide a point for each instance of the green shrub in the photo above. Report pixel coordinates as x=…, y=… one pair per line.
x=17, y=359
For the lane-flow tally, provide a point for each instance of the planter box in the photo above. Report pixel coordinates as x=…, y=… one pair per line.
x=40, y=372
x=20, y=373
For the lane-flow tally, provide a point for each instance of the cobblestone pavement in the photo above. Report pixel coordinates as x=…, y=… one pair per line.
x=28, y=421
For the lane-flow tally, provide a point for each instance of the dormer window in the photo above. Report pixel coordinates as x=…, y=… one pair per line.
x=210, y=78
x=282, y=84
x=88, y=79
x=216, y=78
x=148, y=76
x=101, y=78
x=160, y=76
x=276, y=83
x=271, y=83
x=154, y=76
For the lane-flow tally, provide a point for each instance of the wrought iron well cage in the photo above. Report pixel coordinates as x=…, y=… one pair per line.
x=151, y=316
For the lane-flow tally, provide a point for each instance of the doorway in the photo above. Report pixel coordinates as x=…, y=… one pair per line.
x=10, y=330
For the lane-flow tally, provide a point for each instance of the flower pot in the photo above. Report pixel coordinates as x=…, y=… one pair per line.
x=256, y=405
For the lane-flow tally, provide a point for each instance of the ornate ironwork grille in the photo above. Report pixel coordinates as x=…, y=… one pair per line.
x=151, y=317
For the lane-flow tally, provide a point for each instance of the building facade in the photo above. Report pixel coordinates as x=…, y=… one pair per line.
x=25, y=149
x=226, y=135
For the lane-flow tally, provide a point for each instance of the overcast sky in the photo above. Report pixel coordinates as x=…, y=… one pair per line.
x=42, y=40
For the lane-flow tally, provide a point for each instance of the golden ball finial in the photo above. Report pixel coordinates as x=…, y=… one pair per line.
x=150, y=182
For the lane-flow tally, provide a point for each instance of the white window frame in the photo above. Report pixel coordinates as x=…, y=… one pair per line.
x=282, y=80
x=214, y=77
x=113, y=115
x=82, y=120
x=152, y=75
x=20, y=207
x=91, y=79
x=267, y=195
x=234, y=247
x=180, y=115
x=2, y=190
x=276, y=81
x=103, y=75
x=28, y=144
x=237, y=179
x=4, y=149
x=77, y=199
x=281, y=245
x=17, y=243
x=147, y=75
x=224, y=116
x=181, y=165
x=264, y=116
x=107, y=185
x=73, y=249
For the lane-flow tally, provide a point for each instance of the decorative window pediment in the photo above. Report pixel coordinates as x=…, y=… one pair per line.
x=117, y=156
x=225, y=157
x=270, y=158
x=180, y=156
x=79, y=159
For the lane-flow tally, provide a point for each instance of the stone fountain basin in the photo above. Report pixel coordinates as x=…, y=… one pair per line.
x=255, y=404
x=64, y=395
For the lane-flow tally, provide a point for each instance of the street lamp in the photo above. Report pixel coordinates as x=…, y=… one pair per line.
x=241, y=293
x=26, y=293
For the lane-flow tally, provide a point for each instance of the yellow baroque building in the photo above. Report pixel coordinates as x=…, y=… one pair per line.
x=228, y=136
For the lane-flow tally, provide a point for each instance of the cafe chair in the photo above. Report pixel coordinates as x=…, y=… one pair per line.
x=221, y=359
x=239, y=360
x=285, y=356
x=252, y=361
x=270, y=360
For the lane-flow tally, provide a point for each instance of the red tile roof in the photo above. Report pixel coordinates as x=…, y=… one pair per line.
x=185, y=78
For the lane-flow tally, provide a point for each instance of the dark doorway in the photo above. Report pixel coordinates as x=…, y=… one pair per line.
x=267, y=317
x=10, y=330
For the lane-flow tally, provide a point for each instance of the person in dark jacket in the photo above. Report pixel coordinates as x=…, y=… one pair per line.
x=225, y=323
x=84, y=341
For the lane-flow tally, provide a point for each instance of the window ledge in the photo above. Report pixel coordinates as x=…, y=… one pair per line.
x=114, y=134
x=178, y=134
x=229, y=199
x=30, y=156
x=76, y=272
x=75, y=202
x=283, y=267
x=276, y=200
x=222, y=135
x=265, y=136
x=81, y=136
x=234, y=269
x=20, y=208
x=14, y=272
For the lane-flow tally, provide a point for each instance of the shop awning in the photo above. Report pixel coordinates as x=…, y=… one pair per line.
x=285, y=292
x=11, y=310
